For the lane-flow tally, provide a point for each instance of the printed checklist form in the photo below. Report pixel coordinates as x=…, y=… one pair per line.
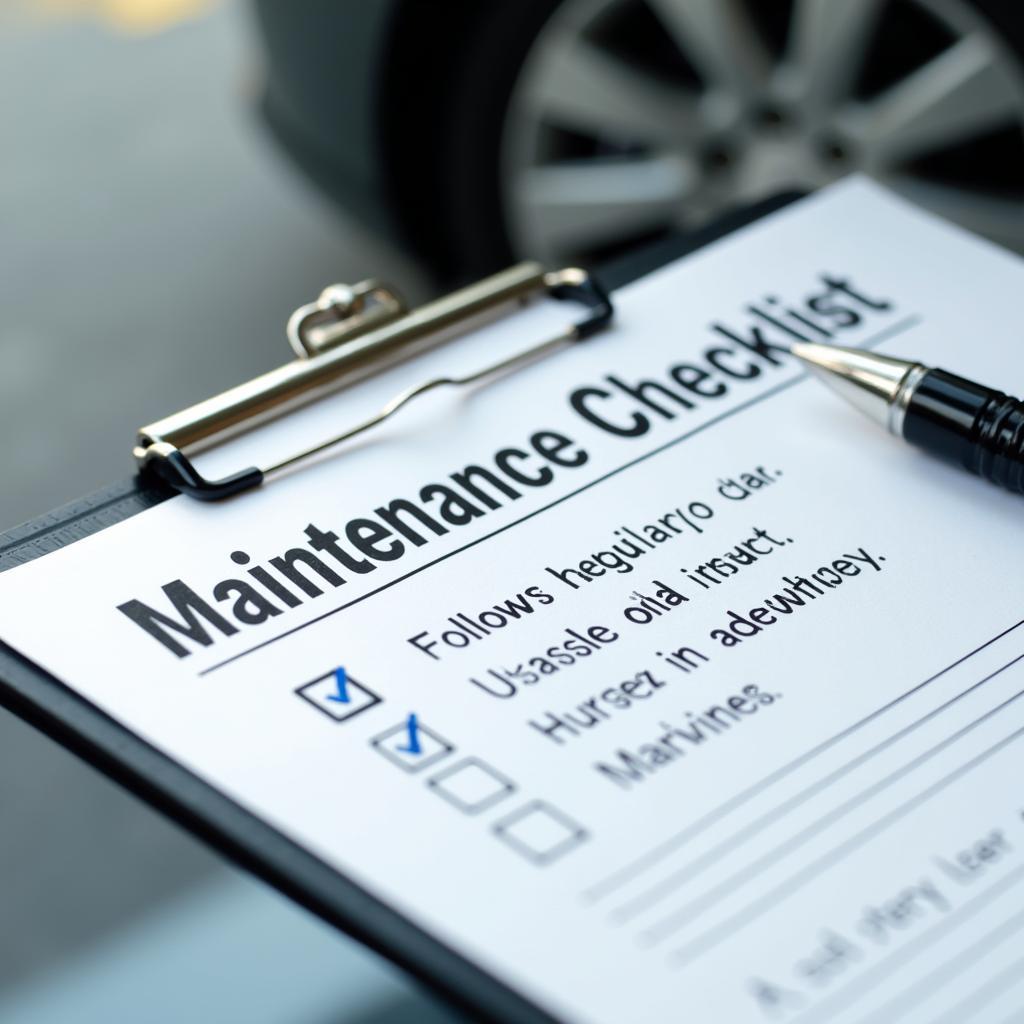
x=650, y=680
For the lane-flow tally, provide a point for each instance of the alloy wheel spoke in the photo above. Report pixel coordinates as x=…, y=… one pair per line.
x=582, y=87
x=576, y=205
x=827, y=46
x=955, y=96
x=720, y=40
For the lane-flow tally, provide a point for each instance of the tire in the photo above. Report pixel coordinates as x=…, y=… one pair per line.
x=442, y=117
x=454, y=111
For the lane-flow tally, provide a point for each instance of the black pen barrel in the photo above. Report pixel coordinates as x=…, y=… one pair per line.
x=975, y=427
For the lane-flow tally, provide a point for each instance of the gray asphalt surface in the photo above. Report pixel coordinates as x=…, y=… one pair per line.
x=153, y=244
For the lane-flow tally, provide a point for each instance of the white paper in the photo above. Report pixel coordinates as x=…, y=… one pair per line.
x=845, y=841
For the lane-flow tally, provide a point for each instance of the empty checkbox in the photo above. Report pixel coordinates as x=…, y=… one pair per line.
x=540, y=832
x=471, y=785
x=338, y=695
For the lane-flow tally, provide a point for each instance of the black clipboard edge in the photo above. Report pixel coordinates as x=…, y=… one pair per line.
x=78, y=519
x=47, y=704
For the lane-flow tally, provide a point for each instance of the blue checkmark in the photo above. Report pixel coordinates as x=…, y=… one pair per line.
x=412, y=744
x=341, y=681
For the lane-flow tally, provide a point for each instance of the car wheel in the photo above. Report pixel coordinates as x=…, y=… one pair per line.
x=576, y=128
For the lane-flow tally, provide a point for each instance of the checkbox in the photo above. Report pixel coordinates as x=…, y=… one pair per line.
x=411, y=746
x=338, y=701
x=540, y=832
x=471, y=785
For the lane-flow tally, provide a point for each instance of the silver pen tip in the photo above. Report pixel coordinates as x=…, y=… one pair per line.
x=869, y=381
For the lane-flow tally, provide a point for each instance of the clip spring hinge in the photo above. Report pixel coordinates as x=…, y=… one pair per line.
x=349, y=334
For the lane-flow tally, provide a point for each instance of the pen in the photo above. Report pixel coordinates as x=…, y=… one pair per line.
x=975, y=427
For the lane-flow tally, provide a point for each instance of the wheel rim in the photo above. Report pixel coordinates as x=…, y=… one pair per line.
x=633, y=117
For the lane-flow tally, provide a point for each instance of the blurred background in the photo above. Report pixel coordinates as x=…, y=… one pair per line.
x=178, y=175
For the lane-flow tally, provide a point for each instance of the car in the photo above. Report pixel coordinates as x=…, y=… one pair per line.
x=568, y=130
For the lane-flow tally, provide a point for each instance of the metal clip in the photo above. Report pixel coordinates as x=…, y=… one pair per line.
x=349, y=334
x=341, y=313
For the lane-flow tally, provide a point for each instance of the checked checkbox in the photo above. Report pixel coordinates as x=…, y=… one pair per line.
x=411, y=745
x=337, y=695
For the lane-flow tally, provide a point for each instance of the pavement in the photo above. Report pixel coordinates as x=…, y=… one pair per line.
x=154, y=243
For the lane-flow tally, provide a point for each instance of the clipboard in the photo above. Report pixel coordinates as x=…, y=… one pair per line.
x=44, y=702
